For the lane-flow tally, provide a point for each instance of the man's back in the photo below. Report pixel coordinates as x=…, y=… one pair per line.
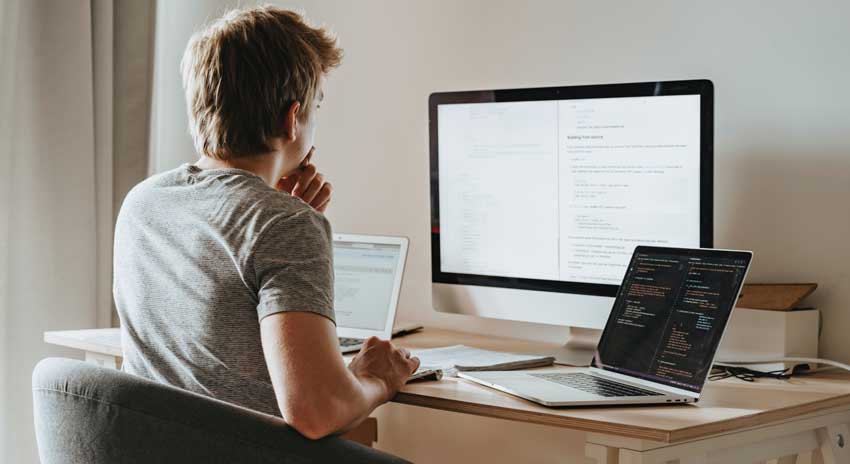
x=200, y=258
x=218, y=265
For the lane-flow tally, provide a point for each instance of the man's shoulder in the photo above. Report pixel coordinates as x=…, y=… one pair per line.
x=156, y=182
x=273, y=212
x=230, y=188
x=288, y=215
x=231, y=199
x=271, y=205
x=141, y=194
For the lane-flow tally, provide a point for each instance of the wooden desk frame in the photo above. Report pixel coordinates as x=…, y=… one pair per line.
x=819, y=436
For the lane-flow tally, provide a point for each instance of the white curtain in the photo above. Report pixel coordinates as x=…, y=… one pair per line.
x=58, y=176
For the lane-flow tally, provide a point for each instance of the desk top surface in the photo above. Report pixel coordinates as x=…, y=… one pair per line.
x=103, y=341
x=725, y=406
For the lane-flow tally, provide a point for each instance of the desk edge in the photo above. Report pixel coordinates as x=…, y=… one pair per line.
x=56, y=338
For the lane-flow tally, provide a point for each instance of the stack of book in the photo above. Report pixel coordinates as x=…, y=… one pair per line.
x=771, y=321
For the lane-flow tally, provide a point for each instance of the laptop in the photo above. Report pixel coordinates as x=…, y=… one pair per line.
x=660, y=339
x=368, y=272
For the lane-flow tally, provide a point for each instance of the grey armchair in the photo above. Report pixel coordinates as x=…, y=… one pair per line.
x=93, y=415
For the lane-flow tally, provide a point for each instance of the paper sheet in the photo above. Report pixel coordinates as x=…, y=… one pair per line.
x=460, y=357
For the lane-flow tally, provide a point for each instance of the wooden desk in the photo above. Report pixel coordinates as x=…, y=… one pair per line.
x=804, y=420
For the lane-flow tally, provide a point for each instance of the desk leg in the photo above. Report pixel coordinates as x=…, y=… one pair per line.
x=834, y=441
x=698, y=459
x=635, y=457
x=103, y=360
x=600, y=454
x=628, y=456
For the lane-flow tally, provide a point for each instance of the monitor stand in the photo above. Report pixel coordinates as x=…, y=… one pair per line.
x=579, y=348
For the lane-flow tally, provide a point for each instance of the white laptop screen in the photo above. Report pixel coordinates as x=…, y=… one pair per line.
x=670, y=313
x=364, y=274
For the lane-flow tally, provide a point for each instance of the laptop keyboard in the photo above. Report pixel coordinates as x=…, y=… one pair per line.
x=595, y=385
x=344, y=341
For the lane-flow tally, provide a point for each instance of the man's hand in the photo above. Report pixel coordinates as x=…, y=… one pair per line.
x=308, y=184
x=383, y=361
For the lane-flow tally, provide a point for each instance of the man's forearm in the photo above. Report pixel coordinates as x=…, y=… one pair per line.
x=373, y=394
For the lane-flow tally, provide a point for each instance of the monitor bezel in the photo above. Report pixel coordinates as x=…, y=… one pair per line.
x=702, y=87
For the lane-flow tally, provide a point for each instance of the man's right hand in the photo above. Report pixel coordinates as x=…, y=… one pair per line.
x=308, y=184
x=383, y=361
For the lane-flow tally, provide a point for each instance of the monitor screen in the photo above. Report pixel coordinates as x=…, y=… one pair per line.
x=552, y=189
x=670, y=313
x=364, y=274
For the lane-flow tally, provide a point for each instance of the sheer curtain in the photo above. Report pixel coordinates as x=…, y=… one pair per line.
x=61, y=122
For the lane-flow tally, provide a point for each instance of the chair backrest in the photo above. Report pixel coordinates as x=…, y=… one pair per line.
x=90, y=414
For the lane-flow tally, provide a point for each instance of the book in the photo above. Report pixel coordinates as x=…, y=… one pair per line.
x=771, y=321
x=451, y=359
x=774, y=297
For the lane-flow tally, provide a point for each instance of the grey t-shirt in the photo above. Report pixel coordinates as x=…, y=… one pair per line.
x=201, y=256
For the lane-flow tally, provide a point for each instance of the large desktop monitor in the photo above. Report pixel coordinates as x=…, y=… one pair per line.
x=539, y=196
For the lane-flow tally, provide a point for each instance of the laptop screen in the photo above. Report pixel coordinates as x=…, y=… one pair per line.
x=670, y=313
x=364, y=274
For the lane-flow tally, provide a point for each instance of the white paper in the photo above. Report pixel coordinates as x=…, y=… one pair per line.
x=449, y=357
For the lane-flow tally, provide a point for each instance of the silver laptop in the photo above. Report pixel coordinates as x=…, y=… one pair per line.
x=368, y=271
x=660, y=340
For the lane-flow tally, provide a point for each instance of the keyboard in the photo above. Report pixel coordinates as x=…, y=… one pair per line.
x=595, y=385
x=344, y=342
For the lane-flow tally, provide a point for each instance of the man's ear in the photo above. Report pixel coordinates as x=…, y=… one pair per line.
x=291, y=122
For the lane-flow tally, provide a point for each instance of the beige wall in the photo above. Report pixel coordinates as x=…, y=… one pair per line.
x=50, y=179
x=782, y=149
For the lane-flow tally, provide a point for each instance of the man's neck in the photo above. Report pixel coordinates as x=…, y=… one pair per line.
x=268, y=166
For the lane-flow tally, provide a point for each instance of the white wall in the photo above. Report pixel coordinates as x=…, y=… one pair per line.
x=782, y=150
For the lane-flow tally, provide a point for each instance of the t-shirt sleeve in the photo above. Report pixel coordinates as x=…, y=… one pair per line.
x=293, y=265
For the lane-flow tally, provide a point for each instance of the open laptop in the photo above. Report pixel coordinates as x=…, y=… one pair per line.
x=368, y=271
x=660, y=340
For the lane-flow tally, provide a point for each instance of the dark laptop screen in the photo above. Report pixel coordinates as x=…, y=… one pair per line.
x=670, y=313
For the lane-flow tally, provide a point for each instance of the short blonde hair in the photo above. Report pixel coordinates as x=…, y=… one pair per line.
x=243, y=72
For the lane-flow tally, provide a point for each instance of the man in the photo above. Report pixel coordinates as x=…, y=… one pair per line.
x=223, y=268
